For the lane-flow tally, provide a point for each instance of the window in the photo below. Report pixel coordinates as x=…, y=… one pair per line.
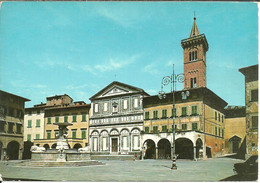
x=37, y=136
x=184, y=111
x=194, y=110
x=193, y=82
x=216, y=131
x=125, y=104
x=29, y=137
x=222, y=132
x=65, y=119
x=74, y=118
x=216, y=115
x=84, y=117
x=38, y=122
x=164, y=113
x=115, y=108
x=164, y=128
x=105, y=107
x=2, y=126
x=18, y=128
x=29, y=124
x=83, y=133
x=74, y=134
x=194, y=126
x=49, y=121
x=155, y=114
x=147, y=115
x=10, y=127
x=193, y=56
x=174, y=128
x=136, y=103
x=146, y=129
x=174, y=112
x=56, y=134
x=254, y=95
x=184, y=126
x=56, y=119
x=48, y=134
x=96, y=107
x=155, y=129
x=254, y=121
x=222, y=118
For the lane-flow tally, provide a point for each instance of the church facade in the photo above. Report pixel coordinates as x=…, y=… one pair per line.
x=116, y=119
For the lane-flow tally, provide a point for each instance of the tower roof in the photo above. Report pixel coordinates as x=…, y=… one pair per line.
x=194, y=30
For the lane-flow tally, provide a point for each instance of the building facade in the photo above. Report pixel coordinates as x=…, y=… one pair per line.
x=235, y=130
x=199, y=125
x=117, y=119
x=251, y=101
x=11, y=125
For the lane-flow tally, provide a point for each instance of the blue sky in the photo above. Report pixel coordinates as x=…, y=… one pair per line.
x=78, y=48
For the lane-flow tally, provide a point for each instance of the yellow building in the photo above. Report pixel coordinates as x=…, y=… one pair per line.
x=199, y=124
x=76, y=114
x=251, y=96
x=11, y=125
x=235, y=131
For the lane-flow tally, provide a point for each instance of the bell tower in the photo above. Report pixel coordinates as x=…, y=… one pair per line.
x=195, y=48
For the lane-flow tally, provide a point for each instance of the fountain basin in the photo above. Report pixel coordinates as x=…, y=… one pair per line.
x=52, y=154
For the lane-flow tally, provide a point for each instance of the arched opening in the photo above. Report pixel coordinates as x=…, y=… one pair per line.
x=46, y=146
x=234, y=144
x=13, y=150
x=164, y=149
x=77, y=146
x=149, y=149
x=27, y=154
x=199, y=148
x=54, y=146
x=184, y=148
x=1, y=149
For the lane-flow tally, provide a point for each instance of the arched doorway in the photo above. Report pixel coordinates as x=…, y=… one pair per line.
x=13, y=150
x=1, y=149
x=184, y=148
x=234, y=144
x=164, y=149
x=198, y=147
x=27, y=154
x=46, y=146
x=54, y=146
x=149, y=149
x=77, y=146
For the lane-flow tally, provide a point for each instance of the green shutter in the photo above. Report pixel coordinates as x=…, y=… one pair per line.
x=49, y=121
x=48, y=135
x=146, y=115
x=38, y=123
x=146, y=129
x=65, y=119
x=74, y=118
x=74, y=134
x=37, y=136
x=184, y=111
x=83, y=134
x=29, y=137
x=194, y=110
x=84, y=117
x=56, y=119
x=29, y=123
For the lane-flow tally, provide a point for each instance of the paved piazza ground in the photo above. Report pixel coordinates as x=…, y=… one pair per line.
x=214, y=169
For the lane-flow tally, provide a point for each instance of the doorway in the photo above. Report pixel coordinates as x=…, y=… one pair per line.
x=114, y=144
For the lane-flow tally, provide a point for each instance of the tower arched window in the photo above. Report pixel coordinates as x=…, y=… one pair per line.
x=193, y=56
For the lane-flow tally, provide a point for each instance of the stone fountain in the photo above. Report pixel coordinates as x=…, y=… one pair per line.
x=62, y=155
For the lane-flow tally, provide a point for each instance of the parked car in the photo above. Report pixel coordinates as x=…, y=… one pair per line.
x=249, y=167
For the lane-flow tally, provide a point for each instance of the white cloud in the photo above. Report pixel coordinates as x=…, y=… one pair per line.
x=116, y=63
x=151, y=68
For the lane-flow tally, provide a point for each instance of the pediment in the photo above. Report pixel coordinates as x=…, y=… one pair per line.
x=116, y=89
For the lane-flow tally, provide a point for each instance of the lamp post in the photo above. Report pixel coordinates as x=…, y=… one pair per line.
x=166, y=81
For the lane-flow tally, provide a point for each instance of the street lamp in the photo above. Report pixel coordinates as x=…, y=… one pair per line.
x=165, y=81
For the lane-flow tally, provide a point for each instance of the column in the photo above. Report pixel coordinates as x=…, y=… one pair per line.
x=194, y=153
x=156, y=152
